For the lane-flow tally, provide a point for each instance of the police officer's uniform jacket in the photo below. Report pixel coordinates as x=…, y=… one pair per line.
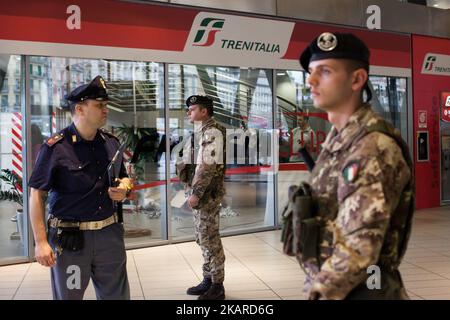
x=75, y=172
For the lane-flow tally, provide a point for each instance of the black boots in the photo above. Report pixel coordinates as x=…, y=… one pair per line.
x=207, y=290
x=215, y=292
x=201, y=288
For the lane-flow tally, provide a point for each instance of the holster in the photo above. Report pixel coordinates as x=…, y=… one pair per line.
x=301, y=227
x=119, y=210
x=71, y=239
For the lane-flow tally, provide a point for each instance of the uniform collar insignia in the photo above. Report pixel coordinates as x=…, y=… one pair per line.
x=74, y=132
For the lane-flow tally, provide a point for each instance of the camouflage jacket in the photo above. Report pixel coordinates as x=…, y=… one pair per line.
x=205, y=176
x=360, y=184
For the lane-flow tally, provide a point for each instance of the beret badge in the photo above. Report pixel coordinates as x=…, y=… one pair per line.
x=327, y=41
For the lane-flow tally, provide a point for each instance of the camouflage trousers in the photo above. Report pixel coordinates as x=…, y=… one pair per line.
x=206, y=223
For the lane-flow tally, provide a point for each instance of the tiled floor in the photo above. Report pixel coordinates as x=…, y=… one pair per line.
x=255, y=267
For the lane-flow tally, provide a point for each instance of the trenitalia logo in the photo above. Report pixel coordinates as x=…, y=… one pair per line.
x=429, y=63
x=437, y=64
x=237, y=40
x=206, y=34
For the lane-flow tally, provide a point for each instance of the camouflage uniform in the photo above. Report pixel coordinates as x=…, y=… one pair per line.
x=205, y=179
x=360, y=184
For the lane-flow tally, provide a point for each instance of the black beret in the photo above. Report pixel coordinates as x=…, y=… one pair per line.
x=96, y=90
x=335, y=46
x=202, y=100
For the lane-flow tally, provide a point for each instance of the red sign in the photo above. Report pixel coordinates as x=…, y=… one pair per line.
x=422, y=119
x=445, y=102
x=445, y=99
x=164, y=30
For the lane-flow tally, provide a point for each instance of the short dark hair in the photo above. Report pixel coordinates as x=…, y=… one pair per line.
x=352, y=65
x=208, y=108
x=73, y=105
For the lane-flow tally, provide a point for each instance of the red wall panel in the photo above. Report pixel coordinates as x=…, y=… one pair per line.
x=426, y=96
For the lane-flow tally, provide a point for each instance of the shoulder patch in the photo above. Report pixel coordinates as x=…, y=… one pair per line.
x=350, y=172
x=54, y=139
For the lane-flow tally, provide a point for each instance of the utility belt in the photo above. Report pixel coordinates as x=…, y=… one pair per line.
x=85, y=225
x=69, y=235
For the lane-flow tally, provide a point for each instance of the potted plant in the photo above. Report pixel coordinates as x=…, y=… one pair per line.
x=131, y=135
x=14, y=194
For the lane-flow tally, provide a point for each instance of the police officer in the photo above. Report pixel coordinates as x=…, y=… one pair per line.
x=85, y=238
x=362, y=183
x=203, y=173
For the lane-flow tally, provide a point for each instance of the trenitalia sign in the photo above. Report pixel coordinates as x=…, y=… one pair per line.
x=437, y=64
x=238, y=39
x=153, y=32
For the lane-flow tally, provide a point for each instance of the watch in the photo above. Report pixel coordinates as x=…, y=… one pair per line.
x=129, y=189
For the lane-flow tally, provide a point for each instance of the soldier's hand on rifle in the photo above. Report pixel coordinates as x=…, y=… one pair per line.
x=193, y=201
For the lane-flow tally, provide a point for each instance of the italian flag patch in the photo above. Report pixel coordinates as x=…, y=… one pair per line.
x=350, y=172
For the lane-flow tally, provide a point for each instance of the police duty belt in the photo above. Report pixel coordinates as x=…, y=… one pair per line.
x=86, y=225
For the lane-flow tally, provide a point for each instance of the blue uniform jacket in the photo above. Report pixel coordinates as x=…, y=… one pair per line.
x=74, y=171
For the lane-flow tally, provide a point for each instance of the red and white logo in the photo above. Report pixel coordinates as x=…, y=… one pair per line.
x=445, y=110
x=206, y=33
x=437, y=64
x=237, y=40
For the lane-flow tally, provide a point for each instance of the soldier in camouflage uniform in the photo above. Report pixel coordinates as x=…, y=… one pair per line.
x=203, y=172
x=362, y=183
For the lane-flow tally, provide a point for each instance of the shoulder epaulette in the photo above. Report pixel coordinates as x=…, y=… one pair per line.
x=57, y=137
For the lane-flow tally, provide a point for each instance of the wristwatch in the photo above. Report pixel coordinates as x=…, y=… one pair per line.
x=129, y=189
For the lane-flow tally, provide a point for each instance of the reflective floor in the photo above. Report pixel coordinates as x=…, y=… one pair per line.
x=255, y=267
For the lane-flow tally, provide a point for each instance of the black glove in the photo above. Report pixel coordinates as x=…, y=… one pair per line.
x=71, y=239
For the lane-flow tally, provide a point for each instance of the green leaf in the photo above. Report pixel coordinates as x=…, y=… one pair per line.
x=12, y=180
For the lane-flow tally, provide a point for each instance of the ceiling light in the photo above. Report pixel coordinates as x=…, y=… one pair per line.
x=115, y=109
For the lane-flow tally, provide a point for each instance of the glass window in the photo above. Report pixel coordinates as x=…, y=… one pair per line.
x=4, y=101
x=302, y=125
x=136, y=101
x=242, y=101
x=390, y=101
x=13, y=231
